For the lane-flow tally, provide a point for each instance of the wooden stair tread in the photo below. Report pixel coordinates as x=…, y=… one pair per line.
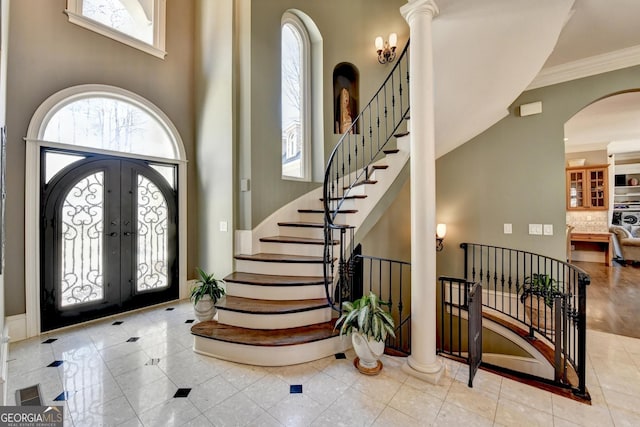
x=391, y=151
x=285, y=258
x=379, y=167
x=340, y=211
x=401, y=134
x=273, y=280
x=267, y=338
x=302, y=224
x=259, y=306
x=312, y=224
x=355, y=196
x=309, y=224
x=294, y=239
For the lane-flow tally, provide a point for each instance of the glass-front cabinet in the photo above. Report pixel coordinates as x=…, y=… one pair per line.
x=587, y=188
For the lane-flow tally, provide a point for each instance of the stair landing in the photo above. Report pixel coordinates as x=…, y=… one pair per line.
x=264, y=338
x=280, y=347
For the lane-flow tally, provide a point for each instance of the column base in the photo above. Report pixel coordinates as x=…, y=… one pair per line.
x=429, y=373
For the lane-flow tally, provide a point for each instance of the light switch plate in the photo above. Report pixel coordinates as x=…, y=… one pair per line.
x=535, y=229
x=508, y=228
x=223, y=226
x=548, y=230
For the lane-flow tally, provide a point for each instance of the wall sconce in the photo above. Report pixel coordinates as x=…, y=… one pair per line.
x=441, y=231
x=386, y=50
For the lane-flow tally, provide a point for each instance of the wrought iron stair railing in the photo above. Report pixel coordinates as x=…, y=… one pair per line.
x=552, y=310
x=391, y=281
x=350, y=165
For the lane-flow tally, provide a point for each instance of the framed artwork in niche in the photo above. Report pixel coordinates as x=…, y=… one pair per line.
x=345, y=96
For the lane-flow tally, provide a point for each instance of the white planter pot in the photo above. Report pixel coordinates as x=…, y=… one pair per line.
x=369, y=352
x=205, y=309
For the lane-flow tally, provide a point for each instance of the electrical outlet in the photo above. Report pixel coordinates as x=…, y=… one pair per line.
x=548, y=230
x=508, y=228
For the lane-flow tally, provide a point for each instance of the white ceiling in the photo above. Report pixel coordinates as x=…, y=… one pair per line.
x=597, y=27
x=612, y=119
x=486, y=53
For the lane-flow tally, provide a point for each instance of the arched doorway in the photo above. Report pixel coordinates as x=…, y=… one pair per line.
x=106, y=215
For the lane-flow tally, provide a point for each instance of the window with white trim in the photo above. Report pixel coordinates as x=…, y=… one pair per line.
x=109, y=122
x=137, y=23
x=295, y=99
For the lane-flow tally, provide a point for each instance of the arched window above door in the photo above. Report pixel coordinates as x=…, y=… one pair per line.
x=108, y=118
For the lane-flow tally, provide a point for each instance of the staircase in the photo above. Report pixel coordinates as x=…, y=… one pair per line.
x=276, y=311
x=280, y=306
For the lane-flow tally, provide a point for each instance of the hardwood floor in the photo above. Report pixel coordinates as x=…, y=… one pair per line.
x=613, y=298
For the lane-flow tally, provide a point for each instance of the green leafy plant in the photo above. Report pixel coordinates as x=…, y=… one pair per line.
x=206, y=284
x=366, y=316
x=541, y=285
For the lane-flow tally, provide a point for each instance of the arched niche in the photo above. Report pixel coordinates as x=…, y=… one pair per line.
x=346, y=93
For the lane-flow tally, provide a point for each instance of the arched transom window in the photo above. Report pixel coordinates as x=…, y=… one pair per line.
x=109, y=121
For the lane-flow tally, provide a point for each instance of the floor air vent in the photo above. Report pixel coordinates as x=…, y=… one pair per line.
x=29, y=396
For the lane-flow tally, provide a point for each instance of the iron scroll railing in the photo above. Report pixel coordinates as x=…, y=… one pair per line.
x=546, y=295
x=391, y=281
x=351, y=164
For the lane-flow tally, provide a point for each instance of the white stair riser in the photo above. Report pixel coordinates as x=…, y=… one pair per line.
x=271, y=356
x=358, y=190
x=274, y=321
x=319, y=217
x=309, y=232
x=280, y=293
x=291, y=248
x=346, y=204
x=279, y=268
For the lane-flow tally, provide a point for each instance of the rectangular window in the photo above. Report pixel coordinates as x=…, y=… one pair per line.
x=137, y=23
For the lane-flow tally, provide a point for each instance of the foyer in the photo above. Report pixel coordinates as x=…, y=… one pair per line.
x=112, y=382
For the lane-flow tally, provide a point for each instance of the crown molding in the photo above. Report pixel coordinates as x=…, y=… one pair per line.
x=586, y=67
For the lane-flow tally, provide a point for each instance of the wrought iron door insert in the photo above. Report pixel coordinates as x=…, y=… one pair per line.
x=108, y=236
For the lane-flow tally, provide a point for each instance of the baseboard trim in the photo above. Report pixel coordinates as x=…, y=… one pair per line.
x=17, y=327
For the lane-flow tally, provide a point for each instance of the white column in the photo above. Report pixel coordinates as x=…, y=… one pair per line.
x=423, y=362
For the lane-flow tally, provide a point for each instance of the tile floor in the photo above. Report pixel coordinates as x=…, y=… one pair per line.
x=109, y=379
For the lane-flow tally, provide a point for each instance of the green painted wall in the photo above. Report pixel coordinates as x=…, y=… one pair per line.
x=348, y=29
x=47, y=53
x=215, y=136
x=514, y=173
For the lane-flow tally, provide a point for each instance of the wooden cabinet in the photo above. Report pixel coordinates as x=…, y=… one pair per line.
x=587, y=188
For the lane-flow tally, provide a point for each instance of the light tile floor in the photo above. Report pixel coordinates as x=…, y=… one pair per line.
x=114, y=382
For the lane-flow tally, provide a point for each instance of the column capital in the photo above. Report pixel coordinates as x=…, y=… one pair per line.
x=419, y=6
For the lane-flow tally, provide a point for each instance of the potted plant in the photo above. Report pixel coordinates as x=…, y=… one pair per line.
x=369, y=324
x=206, y=292
x=538, y=292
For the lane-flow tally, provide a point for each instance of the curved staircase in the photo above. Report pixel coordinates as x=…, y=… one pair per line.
x=276, y=311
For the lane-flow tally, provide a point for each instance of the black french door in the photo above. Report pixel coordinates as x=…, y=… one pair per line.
x=108, y=236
